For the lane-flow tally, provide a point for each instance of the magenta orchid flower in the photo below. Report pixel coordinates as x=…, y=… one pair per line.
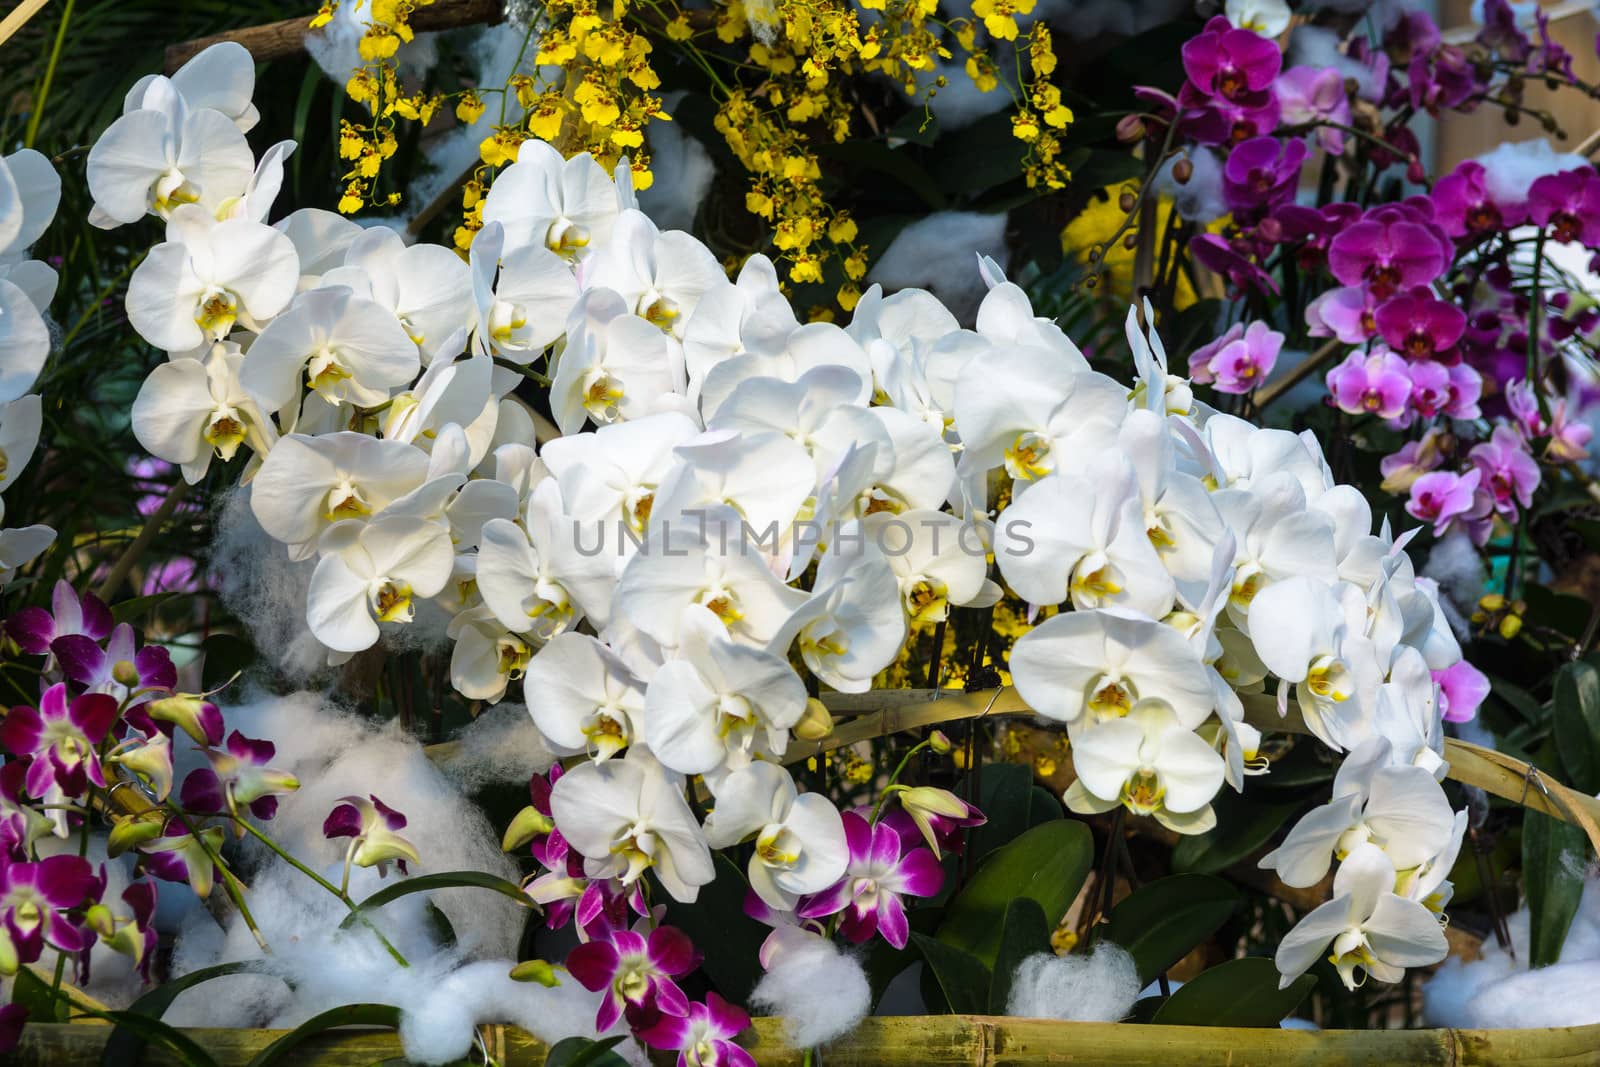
x=1229, y=62
x=238, y=777
x=20, y=824
x=1442, y=497
x=1260, y=175
x=190, y=712
x=1316, y=95
x=1415, y=458
x=1239, y=360
x=1463, y=205
x=34, y=898
x=1376, y=384
x=1348, y=313
x=371, y=825
x=1387, y=251
x=1568, y=203
x=119, y=669
x=1462, y=688
x=1569, y=441
x=880, y=872
x=1419, y=325
x=1213, y=252
x=180, y=856
x=636, y=970
x=34, y=629
x=1510, y=474
x=703, y=1036
x=61, y=736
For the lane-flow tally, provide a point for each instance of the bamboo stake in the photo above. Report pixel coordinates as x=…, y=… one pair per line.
x=18, y=18
x=287, y=38
x=937, y=1041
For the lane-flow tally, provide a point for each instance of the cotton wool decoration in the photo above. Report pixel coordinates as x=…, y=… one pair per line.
x=727, y=511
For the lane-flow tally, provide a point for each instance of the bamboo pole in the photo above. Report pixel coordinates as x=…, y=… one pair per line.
x=18, y=17
x=937, y=1041
x=287, y=38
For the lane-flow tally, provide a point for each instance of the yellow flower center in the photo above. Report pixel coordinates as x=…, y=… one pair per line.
x=1029, y=457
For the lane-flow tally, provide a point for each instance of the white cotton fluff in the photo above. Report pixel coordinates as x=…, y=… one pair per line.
x=113, y=977
x=820, y=991
x=1200, y=198
x=336, y=46
x=924, y=256
x=264, y=589
x=1097, y=988
x=1498, y=991
x=437, y=1024
x=502, y=746
x=683, y=172
x=1315, y=46
x=1511, y=169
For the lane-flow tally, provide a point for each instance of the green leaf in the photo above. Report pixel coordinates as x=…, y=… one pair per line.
x=731, y=940
x=1576, y=720
x=962, y=978
x=1004, y=798
x=879, y=158
x=226, y=655
x=1159, y=923
x=445, y=880
x=179, y=1043
x=125, y=1046
x=1046, y=864
x=1242, y=992
x=140, y=606
x=1552, y=876
x=1243, y=826
x=36, y=997
x=348, y=1015
x=585, y=1052
x=1026, y=933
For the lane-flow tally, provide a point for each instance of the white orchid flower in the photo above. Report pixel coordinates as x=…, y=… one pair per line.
x=372, y=573
x=522, y=298
x=718, y=702
x=308, y=483
x=817, y=411
x=891, y=327
x=193, y=287
x=564, y=206
x=30, y=192
x=583, y=697
x=345, y=349
x=1309, y=635
x=1429, y=882
x=1154, y=388
x=852, y=626
x=750, y=314
x=799, y=837
x=1150, y=763
x=611, y=476
x=425, y=286
x=1006, y=319
x=321, y=240
x=1237, y=454
x=449, y=391
x=1398, y=807
x=1370, y=927
x=626, y=816
x=1406, y=713
x=534, y=577
x=938, y=560
x=1269, y=18
x=1180, y=519
x=660, y=276
x=921, y=380
x=24, y=342
x=222, y=78
x=20, y=422
x=1275, y=538
x=1029, y=410
x=615, y=366
x=190, y=410
x=921, y=472
x=163, y=155
x=765, y=477
x=1087, y=667
x=486, y=657
x=815, y=344
x=20, y=547
x=1082, y=536
x=705, y=563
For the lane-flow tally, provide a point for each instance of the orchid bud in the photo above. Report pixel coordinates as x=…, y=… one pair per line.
x=131, y=831
x=937, y=813
x=535, y=971
x=194, y=715
x=940, y=742
x=151, y=763
x=816, y=723
x=528, y=824
x=1130, y=129
x=1127, y=202
x=1182, y=171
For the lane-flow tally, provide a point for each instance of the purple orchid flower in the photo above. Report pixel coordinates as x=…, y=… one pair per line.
x=34, y=898
x=1415, y=458
x=1419, y=325
x=1464, y=206
x=179, y=856
x=20, y=824
x=1462, y=688
x=1466, y=389
x=1376, y=384
x=881, y=870
x=1387, y=252
x=1214, y=253
x=1510, y=474
x=703, y=1035
x=1348, y=313
x=119, y=669
x=637, y=972
x=1232, y=63
x=1261, y=174
x=1442, y=497
x=33, y=629
x=130, y=933
x=190, y=712
x=61, y=736
x=1316, y=95
x=1430, y=388
x=1239, y=360
x=1568, y=203
x=1501, y=34
x=371, y=826
x=239, y=777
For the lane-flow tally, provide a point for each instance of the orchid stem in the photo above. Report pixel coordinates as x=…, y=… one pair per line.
x=883, y=796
